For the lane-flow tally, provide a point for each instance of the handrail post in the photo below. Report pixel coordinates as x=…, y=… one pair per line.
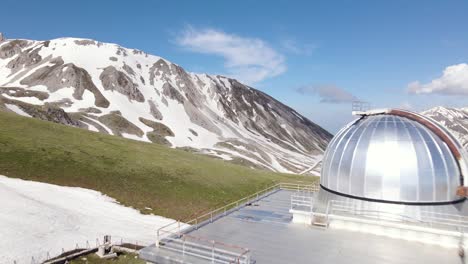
x=212, y=251
x=183, y=247
x=311, y=203
x=327, y=212
x=157, y=238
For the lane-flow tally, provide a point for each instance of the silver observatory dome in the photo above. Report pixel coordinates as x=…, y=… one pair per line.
x=394, y=156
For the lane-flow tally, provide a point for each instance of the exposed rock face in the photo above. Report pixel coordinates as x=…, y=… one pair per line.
x=193, y=132
x=45, y=112
x=159, y=133
x=248, y=150
x=154, y=110
x=85, y=42
x=24, y=59
x=159, y=128
x=199, y=118
x=88, y=121
x=112, y=79
x=160, y=69
x=454, y=119
x=2, y=38
x=118, y=124
x=90, y=110
x=57, y=115
x=126, y=92
x=20, y=92
x=12, y=48
x=128, y=69
x=61, y=75
x=172, y=93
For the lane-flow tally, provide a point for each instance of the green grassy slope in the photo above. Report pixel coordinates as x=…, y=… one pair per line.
x=174, y=183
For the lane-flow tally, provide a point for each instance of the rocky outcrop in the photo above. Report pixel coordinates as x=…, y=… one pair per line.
x=118, y=124
x=199, y=118
x=115, y=80
x=159, y=69
x=172, y=93
x=159, y=128
x=154, y=110
x=87, y=120
x=85, y=42
x=47, y=112
x=61, y=75
x=57, y=115
x=21, y=92
x=270, y=118
x=128, y=70
x=249, y=150
x=25, y=59
x=159, y=133
x=12, y=48
x=193, y=132
x=91, y=110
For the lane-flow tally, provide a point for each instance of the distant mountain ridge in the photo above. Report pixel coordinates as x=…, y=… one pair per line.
x=106, y=88
x=454, y=119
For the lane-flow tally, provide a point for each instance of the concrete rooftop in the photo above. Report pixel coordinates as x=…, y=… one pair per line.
x=265, y=228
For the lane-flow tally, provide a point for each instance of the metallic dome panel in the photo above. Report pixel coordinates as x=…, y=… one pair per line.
x=391, y=158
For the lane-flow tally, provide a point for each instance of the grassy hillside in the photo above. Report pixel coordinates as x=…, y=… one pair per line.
x=174, y=183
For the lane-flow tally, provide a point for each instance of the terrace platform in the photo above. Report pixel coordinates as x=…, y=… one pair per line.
x=265, y=227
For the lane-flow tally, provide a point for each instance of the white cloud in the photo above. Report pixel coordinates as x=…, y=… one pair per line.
x=454, y=81
x=292, y=46
x=328, y=93
x=250, y=60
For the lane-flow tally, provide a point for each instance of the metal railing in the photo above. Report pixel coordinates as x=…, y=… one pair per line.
x=421, y=218
x=214, y=251
x=302, y=201
x=173, y=236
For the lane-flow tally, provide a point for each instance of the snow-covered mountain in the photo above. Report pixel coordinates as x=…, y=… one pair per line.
x=455, y=119
x=126, y=92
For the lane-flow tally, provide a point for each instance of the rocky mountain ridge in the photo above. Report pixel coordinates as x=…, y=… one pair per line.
x=106, y=88
x=454, y=119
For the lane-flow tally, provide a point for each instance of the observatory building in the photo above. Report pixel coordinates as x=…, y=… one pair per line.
x=389, y=178
x=394, y=157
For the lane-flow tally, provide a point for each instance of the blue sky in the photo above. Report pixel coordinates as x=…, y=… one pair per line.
x=315, y=56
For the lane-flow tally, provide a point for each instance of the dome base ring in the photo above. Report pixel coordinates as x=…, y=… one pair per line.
x=392, y=202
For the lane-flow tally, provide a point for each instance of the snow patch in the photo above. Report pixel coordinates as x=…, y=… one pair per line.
x=17, y=110
x=37, y=218
x=26, y=99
